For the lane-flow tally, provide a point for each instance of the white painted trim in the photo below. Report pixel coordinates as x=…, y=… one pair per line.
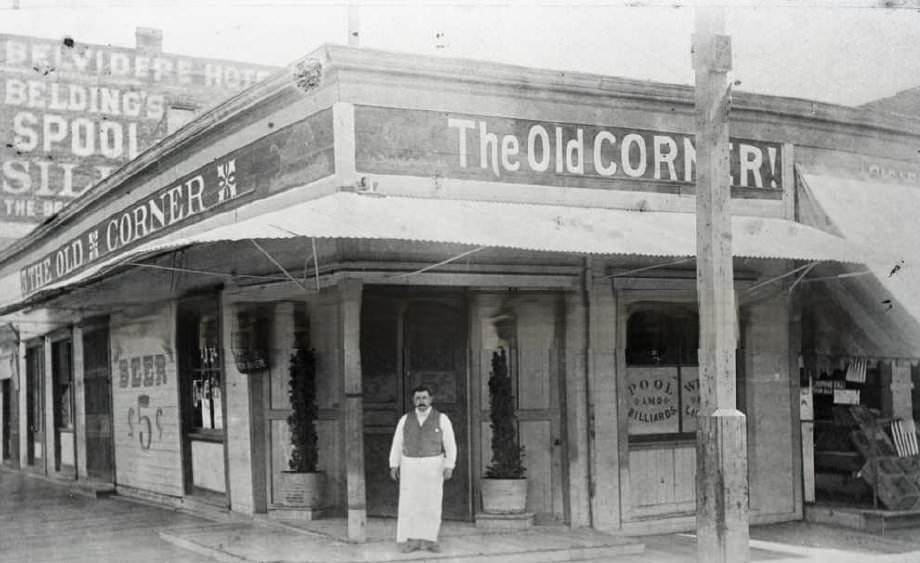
x=22, y=382
x=343, y=142
x=481, y=190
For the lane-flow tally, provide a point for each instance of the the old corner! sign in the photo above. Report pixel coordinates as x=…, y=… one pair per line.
x=500, y=149
x=293, y=156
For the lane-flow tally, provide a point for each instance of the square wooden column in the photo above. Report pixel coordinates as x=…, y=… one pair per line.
x=350, y=361
x=79, y=403
x=603, y=401
x=22, y=389
x=49, y=456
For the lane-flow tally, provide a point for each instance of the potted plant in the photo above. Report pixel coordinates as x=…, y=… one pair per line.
x=302, y=485
x=504, y=488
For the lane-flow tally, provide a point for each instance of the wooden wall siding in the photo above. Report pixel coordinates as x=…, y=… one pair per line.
x=208, y=466
x=68, y=457
x=662, y=480
x=147, y=459
x=575, y=411
x=280, y=440
x=278, y=405
x=768, y=407
x=324, y=338
x=239, y=418
x=609, y=466
x=536, y=390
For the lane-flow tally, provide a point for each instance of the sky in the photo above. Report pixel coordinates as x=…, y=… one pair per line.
x=845, y=52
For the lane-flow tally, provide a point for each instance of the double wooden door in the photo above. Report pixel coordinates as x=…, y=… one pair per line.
x=407, y=340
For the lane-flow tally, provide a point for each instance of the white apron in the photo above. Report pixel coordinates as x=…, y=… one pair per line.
x=421, y=490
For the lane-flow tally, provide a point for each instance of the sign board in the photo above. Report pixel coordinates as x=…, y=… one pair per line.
x=71, y=113
x=653, y=400
x=293, y=156
x=145, y=413
x=576, y=155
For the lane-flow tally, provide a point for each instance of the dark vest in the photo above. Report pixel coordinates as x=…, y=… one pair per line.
x=424, y=440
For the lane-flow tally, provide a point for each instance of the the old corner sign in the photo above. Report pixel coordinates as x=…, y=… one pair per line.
x=293, y=156
x=206, y=190
x=573, y=155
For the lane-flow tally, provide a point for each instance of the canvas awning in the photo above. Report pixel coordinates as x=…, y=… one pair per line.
x=883, y=217
x=532, y=227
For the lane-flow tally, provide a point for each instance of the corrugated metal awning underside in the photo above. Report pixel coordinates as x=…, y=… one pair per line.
x=885, y=218
x=546, y=228
x=532, y=227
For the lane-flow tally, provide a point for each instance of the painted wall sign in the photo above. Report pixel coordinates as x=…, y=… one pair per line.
x=661, y=401
x=71, y=113
x=689, y=398
x=864, y=167
x=428, y=143
x=293, y=156
x=145, y=403
x=653, y=402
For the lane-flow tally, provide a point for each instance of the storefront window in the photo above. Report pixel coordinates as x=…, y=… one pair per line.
x=206, y=386
x=201, y=367
x=662, y=378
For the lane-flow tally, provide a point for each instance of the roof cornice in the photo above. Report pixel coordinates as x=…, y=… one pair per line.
x=565, y=83
x=345, y=61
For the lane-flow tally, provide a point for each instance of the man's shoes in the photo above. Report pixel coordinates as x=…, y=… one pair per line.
x=410, y=546
x=433, y=546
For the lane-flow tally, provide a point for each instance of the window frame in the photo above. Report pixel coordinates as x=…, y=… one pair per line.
x=666, y=312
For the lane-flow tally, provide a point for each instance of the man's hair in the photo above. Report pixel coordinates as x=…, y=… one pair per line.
x=420, y=388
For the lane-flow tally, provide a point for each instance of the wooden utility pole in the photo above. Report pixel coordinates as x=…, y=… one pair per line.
x=354, y=27
x=721, y=477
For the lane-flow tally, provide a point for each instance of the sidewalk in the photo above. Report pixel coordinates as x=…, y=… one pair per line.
x=323, y=541
x=42, y=520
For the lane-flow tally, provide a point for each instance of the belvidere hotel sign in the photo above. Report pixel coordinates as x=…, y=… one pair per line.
x=71, y=113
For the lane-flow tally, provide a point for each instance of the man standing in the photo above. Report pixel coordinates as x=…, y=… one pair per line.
x=422, y=457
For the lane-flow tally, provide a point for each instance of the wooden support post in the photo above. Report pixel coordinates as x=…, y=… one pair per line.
x=721, y=481
x=350, y=362
x=23, y=388
x=50, y=452
x=79, y=403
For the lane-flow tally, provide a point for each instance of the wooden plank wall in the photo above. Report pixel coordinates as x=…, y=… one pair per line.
x=536, y=389
x=662, y=480
x=146, y=457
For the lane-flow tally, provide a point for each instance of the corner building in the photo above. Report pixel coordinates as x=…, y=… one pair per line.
x=405, y=217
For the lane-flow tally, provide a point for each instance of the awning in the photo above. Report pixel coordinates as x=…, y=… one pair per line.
x=7, y=366
x=884, y=217
x=544, y=228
